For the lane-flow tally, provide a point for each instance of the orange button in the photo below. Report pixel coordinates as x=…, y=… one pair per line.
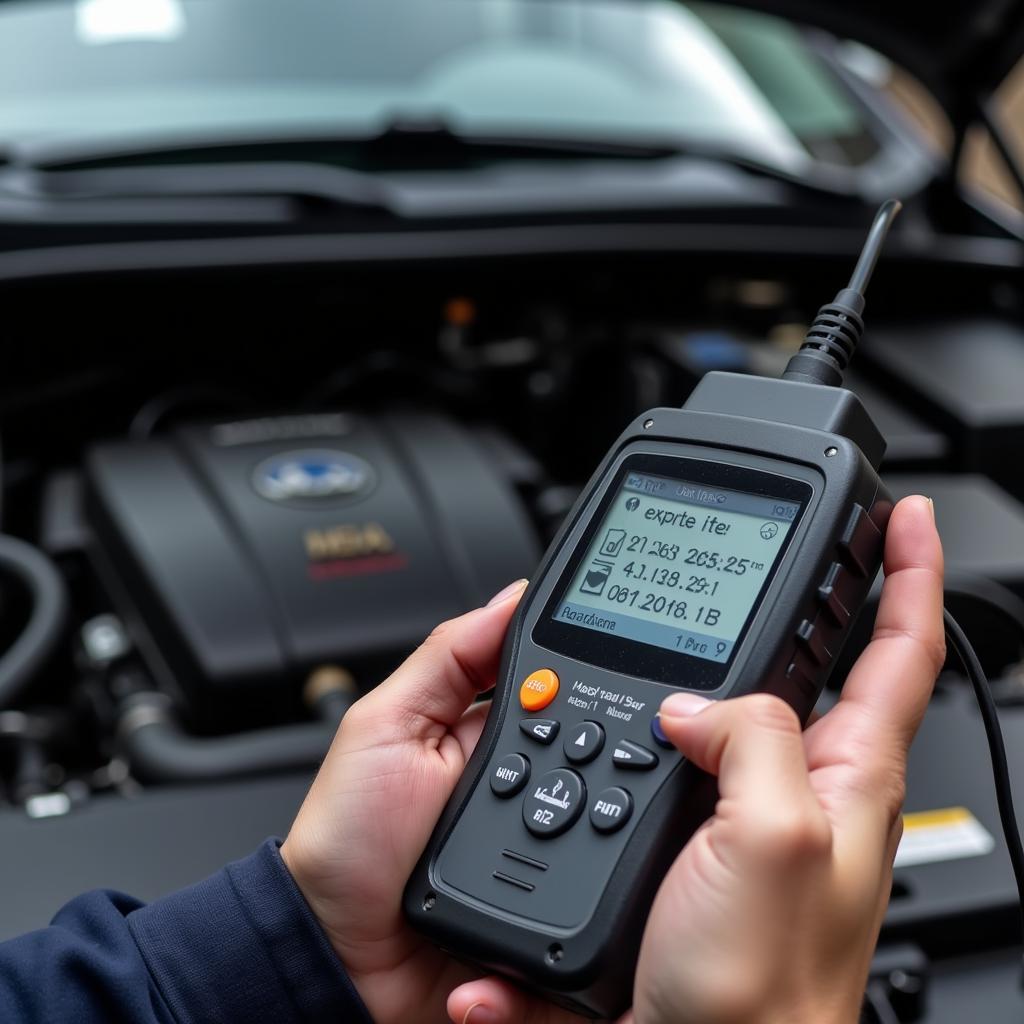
x=539, y=689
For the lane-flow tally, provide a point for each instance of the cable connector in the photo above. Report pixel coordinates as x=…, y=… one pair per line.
x=833, y=337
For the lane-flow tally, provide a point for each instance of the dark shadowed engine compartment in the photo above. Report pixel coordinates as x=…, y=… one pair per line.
x=266, y=485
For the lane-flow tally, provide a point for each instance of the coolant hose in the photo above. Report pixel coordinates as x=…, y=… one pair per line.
x=49, y=599
x=158, y=749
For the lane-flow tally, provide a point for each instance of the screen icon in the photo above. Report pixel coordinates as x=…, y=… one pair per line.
x=612, y=543
x=633, y=504
x=596, y=578
x=769, y=531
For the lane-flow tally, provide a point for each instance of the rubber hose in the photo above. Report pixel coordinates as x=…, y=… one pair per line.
x=159, y=750
x=45, y=627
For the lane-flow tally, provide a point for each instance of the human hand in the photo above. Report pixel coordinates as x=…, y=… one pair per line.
x=396, y=759
x=772, y=910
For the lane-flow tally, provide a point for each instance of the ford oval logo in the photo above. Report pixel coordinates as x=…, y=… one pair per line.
x=317, y=473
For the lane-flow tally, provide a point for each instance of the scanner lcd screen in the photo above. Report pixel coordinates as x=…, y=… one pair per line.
x=678, y=565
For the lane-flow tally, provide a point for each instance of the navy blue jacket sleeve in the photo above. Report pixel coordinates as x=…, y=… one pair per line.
x=242, y=946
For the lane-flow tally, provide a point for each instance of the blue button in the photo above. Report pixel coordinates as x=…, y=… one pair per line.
x=659, y=736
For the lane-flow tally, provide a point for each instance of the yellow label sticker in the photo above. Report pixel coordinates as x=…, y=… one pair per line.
x=948, y=833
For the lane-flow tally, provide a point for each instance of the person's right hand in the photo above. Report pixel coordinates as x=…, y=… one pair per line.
x=772, y=910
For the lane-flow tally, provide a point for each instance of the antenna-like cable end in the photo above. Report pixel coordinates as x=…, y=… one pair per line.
x=833, y=337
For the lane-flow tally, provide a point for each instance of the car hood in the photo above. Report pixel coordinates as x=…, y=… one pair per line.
x=960, y=49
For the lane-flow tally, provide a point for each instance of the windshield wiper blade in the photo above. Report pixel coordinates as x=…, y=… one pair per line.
x=105, y=169
x=409, y=142
x=318, y=167
x=336, y=186
x=413, y=138
x=403, y=138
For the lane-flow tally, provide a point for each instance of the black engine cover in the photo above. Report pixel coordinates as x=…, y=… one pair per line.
x=242, y=554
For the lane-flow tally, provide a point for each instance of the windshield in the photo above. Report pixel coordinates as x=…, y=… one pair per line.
x=225, y=70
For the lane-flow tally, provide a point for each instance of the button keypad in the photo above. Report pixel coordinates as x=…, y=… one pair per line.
x=811, y=636
x=631, y=755
x=832, y=598
x=611, y=809
x=583, y=742
x=539, y=689
x=554, y=803
x=659, y=734
x=543, y=730
x=509, y=775
x=861, y=542
x=555, y=796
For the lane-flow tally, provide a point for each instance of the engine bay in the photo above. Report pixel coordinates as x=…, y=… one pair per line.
x=258, y=489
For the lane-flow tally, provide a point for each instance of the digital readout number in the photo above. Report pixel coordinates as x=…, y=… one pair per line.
x=670, y=607
x=715, y=560
x=670, y=578
x=722, y=563
x=641, y=545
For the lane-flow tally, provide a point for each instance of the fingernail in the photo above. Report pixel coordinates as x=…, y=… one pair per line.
x=478, y=1013
x=924, y=497
x=683, y=705
x=511, y=590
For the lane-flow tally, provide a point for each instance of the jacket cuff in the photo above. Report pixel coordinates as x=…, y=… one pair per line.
x=244, y=945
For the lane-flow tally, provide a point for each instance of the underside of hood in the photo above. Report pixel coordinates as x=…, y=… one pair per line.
x=960, y=49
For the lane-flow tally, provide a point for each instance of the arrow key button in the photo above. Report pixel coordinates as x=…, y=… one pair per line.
x=631, y=755
x=583, y=742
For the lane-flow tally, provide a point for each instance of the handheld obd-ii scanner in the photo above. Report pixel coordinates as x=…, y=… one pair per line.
x=722, y=548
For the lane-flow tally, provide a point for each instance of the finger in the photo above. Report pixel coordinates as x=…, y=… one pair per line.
x=754, y=745
x=441, y=678
x=887, y=692
x=469, y=727
x=496, y=1001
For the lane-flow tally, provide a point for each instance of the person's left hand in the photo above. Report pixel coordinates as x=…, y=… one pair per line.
x=369, y=815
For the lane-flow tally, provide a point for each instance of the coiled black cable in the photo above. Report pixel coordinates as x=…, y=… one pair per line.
x=45, y=627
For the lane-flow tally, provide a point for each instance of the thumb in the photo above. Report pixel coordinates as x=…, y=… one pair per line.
x=495, y=1001
x=442, y=677
x=755, y=747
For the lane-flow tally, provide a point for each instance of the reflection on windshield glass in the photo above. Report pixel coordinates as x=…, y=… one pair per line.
x=649, y=70
x=114, y=21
